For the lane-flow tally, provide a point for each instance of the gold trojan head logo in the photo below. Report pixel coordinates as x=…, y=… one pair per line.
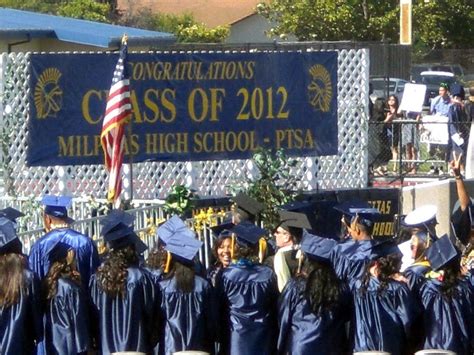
x=320, y=88
x=48, y=94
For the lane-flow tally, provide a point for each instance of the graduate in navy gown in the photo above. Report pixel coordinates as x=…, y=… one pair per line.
x=220, y=250
x=123, y=294
x=20, y=297
x=56, y=222
x=384, y=308
x=186, y=298
x=350, y=257
x=66, y=320
x=447, y=301
x=314, y=307
x=247, y=296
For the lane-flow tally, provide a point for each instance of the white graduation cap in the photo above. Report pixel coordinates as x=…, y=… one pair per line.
x=421, y=216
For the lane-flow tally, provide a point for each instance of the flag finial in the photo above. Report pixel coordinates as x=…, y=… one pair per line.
x=124, y=39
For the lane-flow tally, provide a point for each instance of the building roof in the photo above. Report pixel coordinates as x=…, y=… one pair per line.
x=210, y=12
x=17, y=24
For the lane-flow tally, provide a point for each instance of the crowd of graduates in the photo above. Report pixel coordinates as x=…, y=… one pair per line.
x=308, y=294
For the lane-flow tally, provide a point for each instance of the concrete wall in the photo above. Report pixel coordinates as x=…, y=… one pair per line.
x=440, y=193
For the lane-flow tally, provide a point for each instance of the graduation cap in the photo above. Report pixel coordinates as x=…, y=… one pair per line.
x=118, y=233
x=421, y=217
x=294, y=220
x=223, y=230
x=317, y=248
x=366, y=214
x=183, y=246
x=56, y=206
x=298, y=214
x=248, y=233
x=114, y=215
x=57, y=251
x=173, y=227
x=11, y=213
x=247, y=206
x=8, y=237
x=441, y=252
x=384, y=247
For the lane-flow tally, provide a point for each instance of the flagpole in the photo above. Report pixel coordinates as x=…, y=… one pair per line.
x=130, y=131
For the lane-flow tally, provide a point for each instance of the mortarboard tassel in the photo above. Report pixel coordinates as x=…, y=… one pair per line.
x=262, y=249
x=168, y=262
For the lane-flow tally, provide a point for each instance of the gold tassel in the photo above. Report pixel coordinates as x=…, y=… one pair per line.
x=262, y=249
x=232, y=247
x=168, y=262
x=70, y=257
x=300, y=257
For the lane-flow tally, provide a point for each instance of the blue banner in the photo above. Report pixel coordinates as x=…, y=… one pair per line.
x=209, y=106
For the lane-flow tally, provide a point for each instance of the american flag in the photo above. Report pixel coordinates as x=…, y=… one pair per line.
x=117, y=112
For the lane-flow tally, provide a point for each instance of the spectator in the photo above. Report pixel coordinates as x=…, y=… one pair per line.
x=458, y=127
x=392, y=129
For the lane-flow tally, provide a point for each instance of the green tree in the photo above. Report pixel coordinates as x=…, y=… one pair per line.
x=436, y=23
x=85, y=9
x=275, y=184
x=81, y=9
x=333, y=20
x=444, y=24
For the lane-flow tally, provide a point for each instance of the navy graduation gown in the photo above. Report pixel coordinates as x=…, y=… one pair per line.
x=415, y=274
x=350, y=258
x=303, y=332
x=188, y=317
x=86, y=253
x=21, y=324
x=212, y=272
x=448, y=321
x=67, y=321
x=461, y=223
x=383, y=321
x=128, y=323
x=247, y=297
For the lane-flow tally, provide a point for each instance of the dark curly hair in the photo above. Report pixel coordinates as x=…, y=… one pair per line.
x=112, y=274
x=184, y=275
x=387, y=266
x=451, y=277
x=156, y=258
x=246, y=252
x=12, y=278
x=57, y=270
x=322, y=287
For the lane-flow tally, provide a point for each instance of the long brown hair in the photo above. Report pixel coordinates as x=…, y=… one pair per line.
x=184, y=275
x=65, y=268
x=112, y=274
x=322, y=287
x=12, y=278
